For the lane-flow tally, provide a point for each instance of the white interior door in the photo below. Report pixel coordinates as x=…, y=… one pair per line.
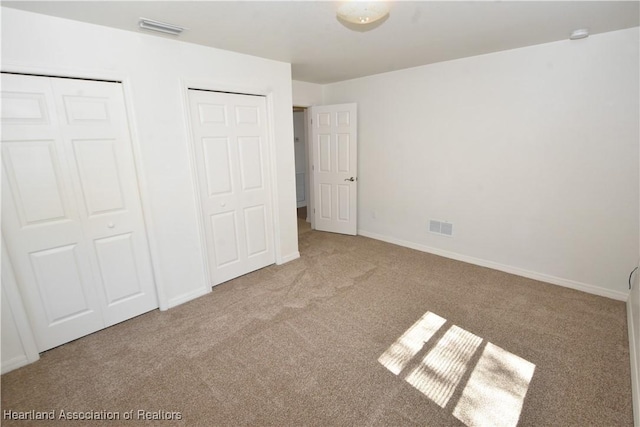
x=232, y=162
x=335, y=167
x=71, y=212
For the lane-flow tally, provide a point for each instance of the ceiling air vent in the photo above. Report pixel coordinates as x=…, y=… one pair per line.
x=162, y=27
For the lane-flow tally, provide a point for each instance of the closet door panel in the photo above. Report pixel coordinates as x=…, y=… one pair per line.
x=96, y=136
x=40, y=219
x=71, y=209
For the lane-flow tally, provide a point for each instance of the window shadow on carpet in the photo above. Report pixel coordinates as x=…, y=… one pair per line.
x=481, y=383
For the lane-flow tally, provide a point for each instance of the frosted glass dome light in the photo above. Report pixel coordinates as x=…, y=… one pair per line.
x=363, y=12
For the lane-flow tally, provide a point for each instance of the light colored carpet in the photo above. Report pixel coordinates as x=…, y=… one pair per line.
x=316, y=342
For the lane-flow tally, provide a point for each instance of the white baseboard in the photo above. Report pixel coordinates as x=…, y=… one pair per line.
x=15, y=363
x=173, y=302
x=635, y=365
x=287, y=258
x=591, y=289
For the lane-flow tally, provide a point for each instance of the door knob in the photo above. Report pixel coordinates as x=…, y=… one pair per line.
x=351, y=179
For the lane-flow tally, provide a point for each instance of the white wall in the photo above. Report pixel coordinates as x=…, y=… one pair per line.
x=155, y=71
x=531, y=153
x=306, y=94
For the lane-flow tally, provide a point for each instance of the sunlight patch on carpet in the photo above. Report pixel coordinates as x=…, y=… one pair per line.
x=495, y=387
x=495, y=391
x=439, y=373
x=411, y=342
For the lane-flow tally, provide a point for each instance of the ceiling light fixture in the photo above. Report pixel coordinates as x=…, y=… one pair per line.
x=163, y=27
x=363, y=12
x=579, y=34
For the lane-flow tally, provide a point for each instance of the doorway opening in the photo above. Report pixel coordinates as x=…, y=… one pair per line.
x=300, y=143
x=327, y=182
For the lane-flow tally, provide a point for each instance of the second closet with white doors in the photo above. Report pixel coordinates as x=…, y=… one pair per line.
x=231, y=153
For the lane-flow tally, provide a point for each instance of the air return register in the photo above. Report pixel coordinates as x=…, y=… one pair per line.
x=441, y=227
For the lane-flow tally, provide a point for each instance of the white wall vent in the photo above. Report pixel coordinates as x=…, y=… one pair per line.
x=441, y=227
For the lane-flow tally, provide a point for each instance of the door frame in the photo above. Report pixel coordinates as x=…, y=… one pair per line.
x=215, y=86
x=311, y=195
x=11, y=291
x=308, y=188
x=309, y=161
x=303, y=110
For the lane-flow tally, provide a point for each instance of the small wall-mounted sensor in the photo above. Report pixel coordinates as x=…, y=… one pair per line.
x=579, y=34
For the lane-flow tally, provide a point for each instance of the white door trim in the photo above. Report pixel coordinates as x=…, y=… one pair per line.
x=152, y=242
x=215, y=86
x=311, y=204
x=12, y=293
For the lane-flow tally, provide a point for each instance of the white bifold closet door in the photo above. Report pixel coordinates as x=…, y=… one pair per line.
x=232, y=162
x=71, y=212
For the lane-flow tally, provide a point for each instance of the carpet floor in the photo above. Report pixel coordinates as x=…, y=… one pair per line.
x=356, y=332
